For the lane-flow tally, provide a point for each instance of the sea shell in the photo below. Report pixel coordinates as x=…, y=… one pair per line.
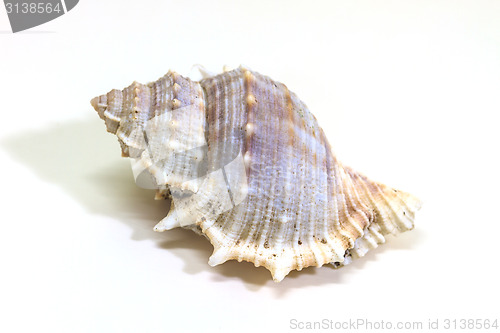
x=246, y=165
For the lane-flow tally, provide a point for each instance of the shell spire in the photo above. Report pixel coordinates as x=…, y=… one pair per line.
x=247, y=165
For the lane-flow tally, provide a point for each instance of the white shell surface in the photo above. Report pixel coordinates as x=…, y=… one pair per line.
x=247, y=165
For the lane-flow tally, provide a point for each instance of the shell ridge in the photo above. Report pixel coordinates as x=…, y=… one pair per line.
x=301, y=207
x=387, y=218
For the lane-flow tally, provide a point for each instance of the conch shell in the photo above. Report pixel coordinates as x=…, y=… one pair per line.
x=246, y=164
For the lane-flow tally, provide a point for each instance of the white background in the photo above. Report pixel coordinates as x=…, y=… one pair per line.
x=406, y=91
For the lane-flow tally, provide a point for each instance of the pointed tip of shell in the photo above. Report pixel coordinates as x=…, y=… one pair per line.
x=99, y=104
x=279, y=274
x=219, y=256
x=171, y=221
x=412, y=201
x=222, y=255
x=94, y=101
x=199, y=72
